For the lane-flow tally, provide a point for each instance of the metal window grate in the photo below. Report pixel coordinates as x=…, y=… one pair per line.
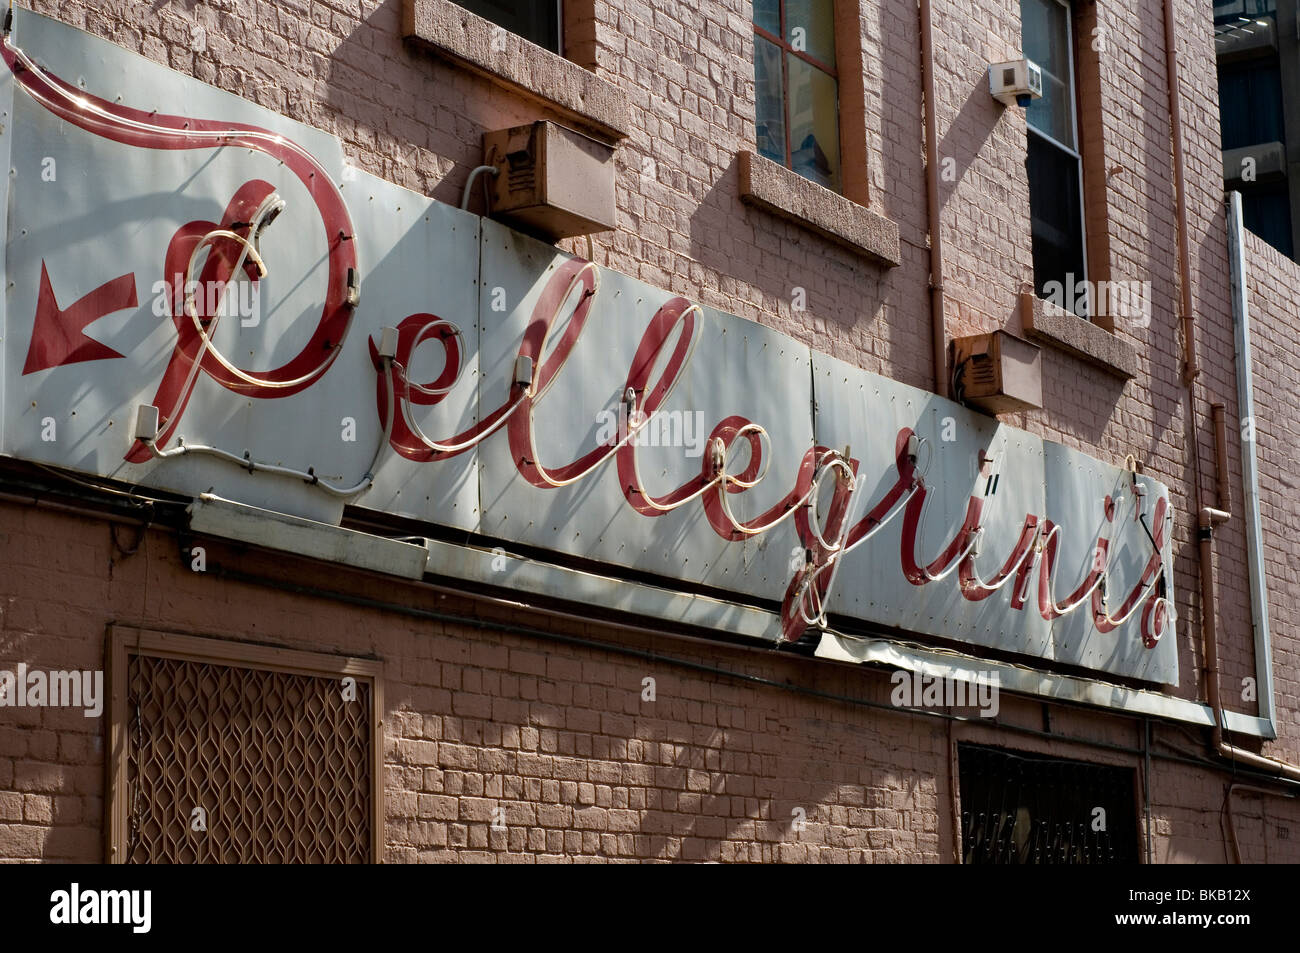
x=1028, y=810
x=279, y=763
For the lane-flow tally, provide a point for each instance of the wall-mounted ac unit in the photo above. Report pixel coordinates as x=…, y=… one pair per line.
x=1016, y=82
x=997, y=372
x=551, y=181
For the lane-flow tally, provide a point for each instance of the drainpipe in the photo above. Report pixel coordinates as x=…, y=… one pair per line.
x=1190, y=368
x=1250, y=467
x=938, y=330
x=1209, y=518
x=1227, y=808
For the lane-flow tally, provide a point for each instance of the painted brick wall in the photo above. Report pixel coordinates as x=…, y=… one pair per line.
x=556, y=735
x=687, y=71
x=1274, y=302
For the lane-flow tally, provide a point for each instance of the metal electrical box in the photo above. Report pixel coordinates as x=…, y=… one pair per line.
x=551, y=181
x=997, y=372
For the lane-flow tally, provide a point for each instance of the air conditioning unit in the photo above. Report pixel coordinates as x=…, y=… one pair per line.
x=997, y=372
x=1016, y=82
x=551, y=181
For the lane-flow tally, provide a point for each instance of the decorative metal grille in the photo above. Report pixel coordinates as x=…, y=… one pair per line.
x=1028, y=810
x=279, y=765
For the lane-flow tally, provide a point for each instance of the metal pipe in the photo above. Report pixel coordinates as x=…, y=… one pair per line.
x=938, y=328
x=1227, y=807
x=1208, y=519
x=1146, y=783
x=1190, y=367
x=1250, y=467
x=954, y=783
x=1218, y=413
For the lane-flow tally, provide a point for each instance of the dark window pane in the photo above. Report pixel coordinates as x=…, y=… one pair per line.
x=1056, y=219
x=810, y=28
x=770, y=114
x=1228, y=11
x=1250, y=104
x=1267, y=213
x=1045, y=26
x=535, y=20
x=767, y=14
x=814, y=124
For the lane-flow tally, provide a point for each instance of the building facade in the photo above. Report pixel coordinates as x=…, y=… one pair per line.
x=680, y=420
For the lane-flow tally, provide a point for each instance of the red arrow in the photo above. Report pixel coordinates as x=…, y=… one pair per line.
x=57, y=337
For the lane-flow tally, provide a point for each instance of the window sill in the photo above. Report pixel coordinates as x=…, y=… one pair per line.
x=774, y=188
x=454, y=34
x=1053, y=325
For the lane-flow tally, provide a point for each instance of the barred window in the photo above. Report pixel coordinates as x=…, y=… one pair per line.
x=1026, y=809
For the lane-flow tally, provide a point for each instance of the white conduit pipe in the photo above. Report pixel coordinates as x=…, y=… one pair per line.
x=1250, y=468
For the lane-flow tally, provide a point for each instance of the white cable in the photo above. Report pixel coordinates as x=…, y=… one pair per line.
x=460, y=364
x=272, y=201
x=307, y=476
x=744, y=484
x=469, y=184
x=472, y=441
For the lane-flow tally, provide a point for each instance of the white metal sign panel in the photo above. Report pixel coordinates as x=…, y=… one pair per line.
x=311, y=336
x=1044, y=512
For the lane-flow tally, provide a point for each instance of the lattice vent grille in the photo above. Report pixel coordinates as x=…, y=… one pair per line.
x=279, y=763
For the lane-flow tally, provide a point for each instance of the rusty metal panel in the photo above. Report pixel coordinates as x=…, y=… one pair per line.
x=998, y=372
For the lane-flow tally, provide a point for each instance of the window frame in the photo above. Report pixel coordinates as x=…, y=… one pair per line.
x=1075, y=153
x=787, y=49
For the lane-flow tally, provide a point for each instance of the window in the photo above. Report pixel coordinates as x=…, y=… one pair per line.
x=1252, y=112
x=1250, y=103
x=1054, y=163
x=1266, y=210
x=535, y=20
x=1020, y=809
x=797, y=90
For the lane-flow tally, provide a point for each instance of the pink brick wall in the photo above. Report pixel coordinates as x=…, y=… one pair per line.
x=556, y=735
x=580, y=772
x=1274, y=302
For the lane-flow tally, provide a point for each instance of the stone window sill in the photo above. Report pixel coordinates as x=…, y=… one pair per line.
x=454, y=34
x=774, y=188
x=1053, y=325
